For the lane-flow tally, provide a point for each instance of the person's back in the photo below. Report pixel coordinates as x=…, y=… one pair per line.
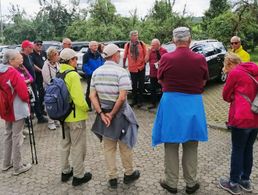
x=183, y=71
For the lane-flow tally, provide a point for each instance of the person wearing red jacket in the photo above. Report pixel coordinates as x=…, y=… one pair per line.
x=16, y=89
x=243, y=123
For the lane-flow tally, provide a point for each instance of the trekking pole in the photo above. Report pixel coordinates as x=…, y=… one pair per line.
x=31, y=149
x=33, y=141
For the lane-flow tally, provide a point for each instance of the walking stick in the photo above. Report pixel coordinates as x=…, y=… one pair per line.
x=31, y=149
x=32, y=141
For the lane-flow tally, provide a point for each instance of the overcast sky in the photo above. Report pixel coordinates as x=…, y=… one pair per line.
x=123, y=7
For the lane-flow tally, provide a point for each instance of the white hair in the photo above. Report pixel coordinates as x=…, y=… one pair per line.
x=10, y=54
x=133, y=32
x=92, y=43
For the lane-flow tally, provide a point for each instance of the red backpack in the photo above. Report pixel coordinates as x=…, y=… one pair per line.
x=4, y=103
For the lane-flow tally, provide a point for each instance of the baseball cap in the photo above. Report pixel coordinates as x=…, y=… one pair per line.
x=38, y=41
x=181, y=32
x=26, y=43
x=110, y=50
x=67, y=54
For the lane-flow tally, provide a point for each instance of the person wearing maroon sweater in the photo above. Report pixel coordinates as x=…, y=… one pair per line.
x=180, y=116
x=154, y=55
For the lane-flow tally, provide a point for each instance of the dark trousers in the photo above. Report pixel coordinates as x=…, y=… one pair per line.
x=138, y=86
x=154, y=86
x=41, y=91
x=36, y=105
x=242, y=153
x=88, y=80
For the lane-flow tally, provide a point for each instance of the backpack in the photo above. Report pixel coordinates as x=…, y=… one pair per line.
x=4, y=103
x=57, y=99
x=254, y=104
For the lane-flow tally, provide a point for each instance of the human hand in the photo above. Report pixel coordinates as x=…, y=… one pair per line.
x=105, y=119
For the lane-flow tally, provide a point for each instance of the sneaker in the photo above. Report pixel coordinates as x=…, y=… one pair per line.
x=57, y=124
x=229, y=186
x=23, y=169
x=167, y=187
x=131, y=178
x=42, y=120
x=67, y=176
x=78, y=181
x=52, y=126
x=25, y=132
x=6, y=168
x=191, y=190
x=113, y=183
x=246, y=185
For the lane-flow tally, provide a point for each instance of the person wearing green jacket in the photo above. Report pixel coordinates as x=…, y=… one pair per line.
x=74, y=144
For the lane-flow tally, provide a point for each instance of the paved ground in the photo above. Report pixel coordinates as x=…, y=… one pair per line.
x=44, y=178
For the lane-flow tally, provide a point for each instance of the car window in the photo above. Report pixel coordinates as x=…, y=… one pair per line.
x=219, y=47
x=198, y=49
x=208, y=50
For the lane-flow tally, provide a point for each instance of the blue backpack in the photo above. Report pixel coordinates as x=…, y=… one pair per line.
x=57, y=99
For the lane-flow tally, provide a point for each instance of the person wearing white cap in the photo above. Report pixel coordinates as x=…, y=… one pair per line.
x=74, y=144
x=180, y=117
x=115, y=122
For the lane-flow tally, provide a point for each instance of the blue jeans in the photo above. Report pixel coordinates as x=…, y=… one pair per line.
x=242, y=153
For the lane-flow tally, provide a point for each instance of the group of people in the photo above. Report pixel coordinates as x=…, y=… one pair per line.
x=180, y=117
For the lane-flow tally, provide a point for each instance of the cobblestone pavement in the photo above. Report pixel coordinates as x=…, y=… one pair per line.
x=44, y=178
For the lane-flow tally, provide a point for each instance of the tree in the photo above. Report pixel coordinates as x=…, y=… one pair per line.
x=216, y=8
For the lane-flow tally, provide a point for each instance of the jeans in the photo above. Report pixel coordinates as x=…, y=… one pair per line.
x=138, y=86
x=242, y=153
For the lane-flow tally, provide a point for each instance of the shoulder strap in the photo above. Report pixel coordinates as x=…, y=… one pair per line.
x=63, y=74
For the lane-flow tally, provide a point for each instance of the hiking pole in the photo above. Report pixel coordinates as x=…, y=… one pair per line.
x=31, y=149
x=33, y=140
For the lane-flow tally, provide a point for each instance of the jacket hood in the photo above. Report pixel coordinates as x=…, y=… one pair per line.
x=3, y=68
x=249, y=67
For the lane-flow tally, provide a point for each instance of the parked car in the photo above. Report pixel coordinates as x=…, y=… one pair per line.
x=55, y=44
x=78, y=45
x=2, y=50
x=213, y=51
x=120, y=44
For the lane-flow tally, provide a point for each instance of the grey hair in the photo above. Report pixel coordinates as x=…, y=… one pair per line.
x=50, y=52
x=236, y=38
x=92, y=43
x=155, y=40
x=133, y=32
x=66, y=40
x=9, y=54
x=185, y=39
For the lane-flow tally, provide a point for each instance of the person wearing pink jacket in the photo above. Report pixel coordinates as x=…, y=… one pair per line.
x=240, y=90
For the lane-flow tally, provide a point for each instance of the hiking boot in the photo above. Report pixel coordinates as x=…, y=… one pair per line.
x=229, y=186
x=131, y=178
x=167, y=187
x=78, y=181
x=113, y=183
x=42, y=120
x=66, y=176
x=191, y=190
x=22, y=169
x=52, y=126
x=246, y=185
x=6, y=168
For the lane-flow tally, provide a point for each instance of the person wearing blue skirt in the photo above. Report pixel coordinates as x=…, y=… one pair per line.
x=181, y=116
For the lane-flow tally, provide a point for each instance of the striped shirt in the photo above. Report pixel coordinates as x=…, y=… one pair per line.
x=109, y=79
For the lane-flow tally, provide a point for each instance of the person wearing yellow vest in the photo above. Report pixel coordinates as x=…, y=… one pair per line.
x=237, y=48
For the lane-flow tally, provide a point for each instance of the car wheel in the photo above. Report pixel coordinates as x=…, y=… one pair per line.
x=222, y=77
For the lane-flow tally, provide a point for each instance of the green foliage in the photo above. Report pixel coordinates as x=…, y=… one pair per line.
x=101, y=22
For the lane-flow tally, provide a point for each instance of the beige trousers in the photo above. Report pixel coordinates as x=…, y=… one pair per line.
x=12, y=144
x=189, y=163
x=126, y=154
x=74, y=144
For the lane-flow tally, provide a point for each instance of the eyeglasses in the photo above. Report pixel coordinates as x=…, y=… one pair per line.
x=39, y=44
x=234, y=43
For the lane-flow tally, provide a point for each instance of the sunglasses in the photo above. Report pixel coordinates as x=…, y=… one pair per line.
x=39, y=44
x=234, y=43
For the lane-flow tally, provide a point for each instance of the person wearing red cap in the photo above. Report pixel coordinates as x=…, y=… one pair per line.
x=27, y=49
